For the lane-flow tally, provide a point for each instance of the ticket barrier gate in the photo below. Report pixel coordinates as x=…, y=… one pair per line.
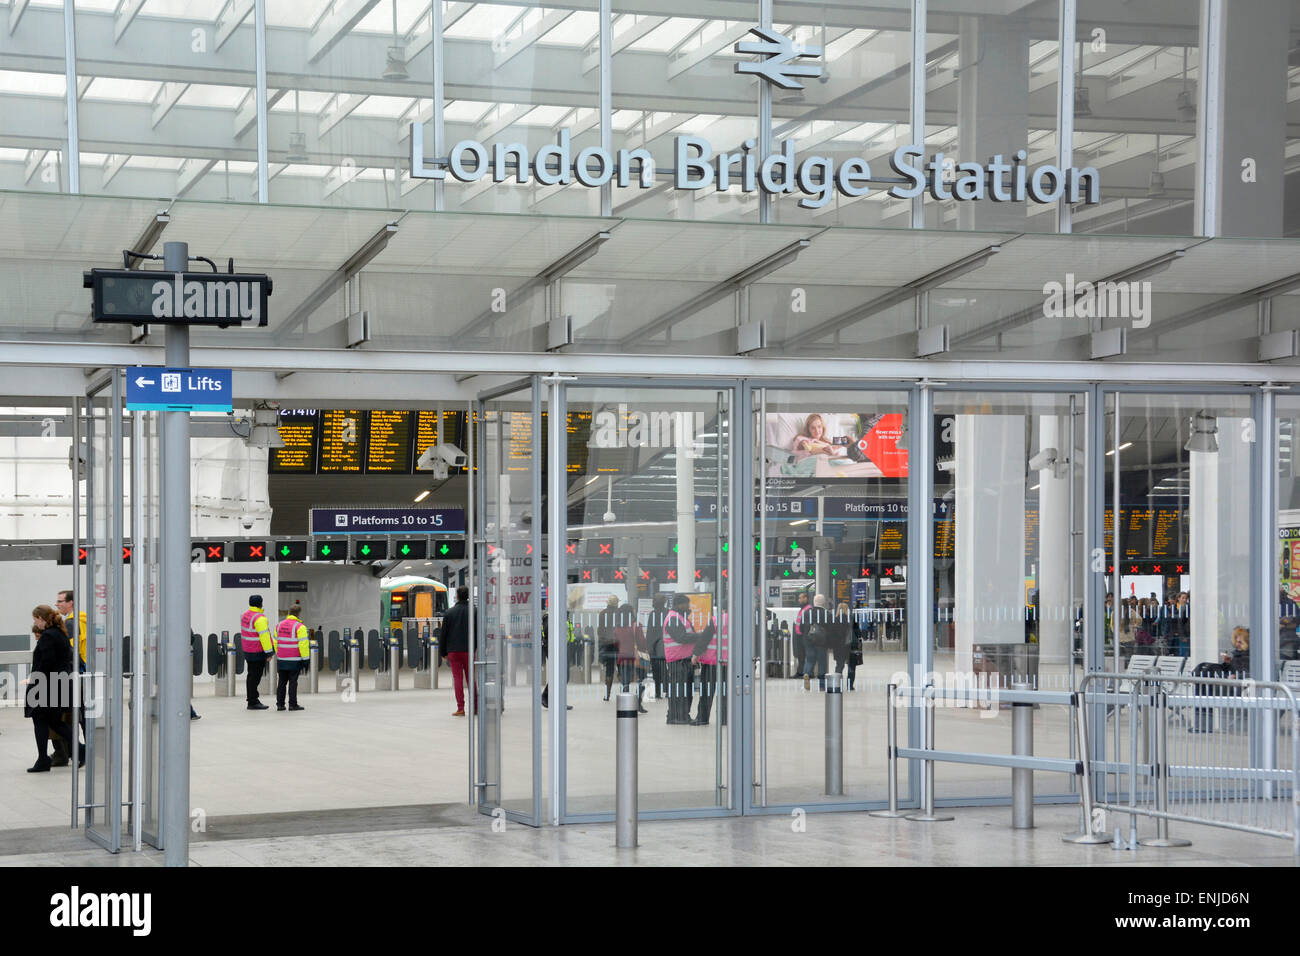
x=422, y=634
x=229, y=667
x=345, y=658
x=387, y=659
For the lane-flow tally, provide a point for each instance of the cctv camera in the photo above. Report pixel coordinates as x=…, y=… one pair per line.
x=446, y=454
x=1043, y=459
x=439, y=470
x=246, y=522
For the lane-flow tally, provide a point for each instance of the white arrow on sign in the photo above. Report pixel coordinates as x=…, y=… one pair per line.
x=141, y=381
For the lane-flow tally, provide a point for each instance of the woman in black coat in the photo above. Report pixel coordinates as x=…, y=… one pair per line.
x=48, y=689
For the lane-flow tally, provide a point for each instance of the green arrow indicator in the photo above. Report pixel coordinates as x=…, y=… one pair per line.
x=406, y=549
x=726, y=546
x=787, y=572
x=794, y=545
x=758, y=546
x=284, y=551
x=675, y=549
x=810, y=574
x=365, y=549
x=325, y=550
x=834, y=573
x=444, y=549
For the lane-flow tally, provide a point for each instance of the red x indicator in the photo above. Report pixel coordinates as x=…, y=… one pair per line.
x=605, y=548
x=697, y=574
x=866, y=572
x=645, y=575
x=618, y=575
x=1110, y=569
x=571, y=547
x=1132, y=569
x=214, y=552
x=672, y=575
x=724, y=572
x=1178, y=568
x=1156, y=569
x=586, y=575
x=126, y=554
x=256, y=551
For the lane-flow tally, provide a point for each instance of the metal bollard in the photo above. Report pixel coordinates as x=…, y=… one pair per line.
x=927, y=815
x=1162, y=837
x=891, y=730
x=625, y=786
x=1022, y=745
x=394, y=664
x=586, y=662
x=834, y=736
x=232, y=665
x=313, y=669
x=354, y=665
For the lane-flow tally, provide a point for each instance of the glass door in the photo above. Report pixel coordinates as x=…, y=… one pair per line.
x=648, y=571
x=830, y=519
x=506, y=646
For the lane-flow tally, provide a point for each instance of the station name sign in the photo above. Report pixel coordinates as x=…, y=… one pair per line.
x=178, y=298
x=818, y=178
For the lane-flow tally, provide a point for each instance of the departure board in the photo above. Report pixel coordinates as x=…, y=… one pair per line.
x=388, y=446
x=1166, y=534
x=298, y=430
x=518, y=446
x=1136, y=527
x=891, y=541
x=342, y=440
x=1031, y=532
x=945, y=538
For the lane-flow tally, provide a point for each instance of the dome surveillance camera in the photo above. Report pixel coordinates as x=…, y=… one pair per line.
x=246, y=522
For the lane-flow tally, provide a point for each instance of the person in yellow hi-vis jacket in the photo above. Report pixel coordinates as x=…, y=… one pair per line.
x=255, y=639
x=293, y=651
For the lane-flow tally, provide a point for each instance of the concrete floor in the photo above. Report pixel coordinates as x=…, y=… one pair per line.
x=393, y=764
x=456, y=836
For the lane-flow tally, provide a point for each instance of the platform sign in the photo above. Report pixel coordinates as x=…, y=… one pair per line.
x=386, y=520
x=179, y=390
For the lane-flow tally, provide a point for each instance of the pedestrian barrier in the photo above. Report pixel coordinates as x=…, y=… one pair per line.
x=625, y=789
x=1219, y=756
x=834, y=736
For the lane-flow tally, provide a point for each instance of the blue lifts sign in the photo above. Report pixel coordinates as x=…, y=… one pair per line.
x=179, y=389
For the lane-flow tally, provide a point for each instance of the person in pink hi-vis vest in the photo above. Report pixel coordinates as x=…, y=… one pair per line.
x=710, y=675
x=682, y=645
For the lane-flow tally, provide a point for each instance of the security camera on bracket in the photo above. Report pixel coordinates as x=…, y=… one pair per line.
x=440, y=458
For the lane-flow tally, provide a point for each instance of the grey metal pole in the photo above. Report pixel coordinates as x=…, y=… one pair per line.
x=625, y=787
x=891, y=730
x=834, y=736
x=433, y=663
x=175, y=560
x=354, y=664
x=232, y=664
x=394, y=663
x=1162, y=837
x=927, y=815
x=78, y=592
x=313, y=668
x=1022, y=745
x=586, y=661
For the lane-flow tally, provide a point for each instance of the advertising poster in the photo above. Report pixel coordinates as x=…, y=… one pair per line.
x=835, y=445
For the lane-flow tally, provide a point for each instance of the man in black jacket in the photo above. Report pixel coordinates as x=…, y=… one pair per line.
x=454, y=645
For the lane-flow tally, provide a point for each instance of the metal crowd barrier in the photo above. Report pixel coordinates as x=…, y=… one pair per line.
x=1220, y=748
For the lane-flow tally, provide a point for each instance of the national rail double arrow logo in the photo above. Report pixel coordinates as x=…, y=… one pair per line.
x=778, y=68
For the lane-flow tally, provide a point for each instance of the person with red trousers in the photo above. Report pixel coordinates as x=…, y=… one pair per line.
x=454, y=645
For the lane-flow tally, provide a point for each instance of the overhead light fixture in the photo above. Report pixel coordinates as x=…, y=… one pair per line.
x=422, y=495
x=1127, y=444
x=1205, y=429
x=395, y=67
x=264, y=428
x=800, y=521
x=297, y=147
x=1081, y=105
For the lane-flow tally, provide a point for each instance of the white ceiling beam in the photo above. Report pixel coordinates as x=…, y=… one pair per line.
x=112, y=166
x=165, y=99
x=504, y=120
x=246, y=115
x=16, y=10
x=340, y=17
x=421, y=41
x=232, y=15
x=337, y=110
x=530, y=35
x=83, y=84
x=35, y=158
x=191, y=171
x=123, y=15
x=686, y=59
x=338, y=177
x=629, y=28
x=1166, y=64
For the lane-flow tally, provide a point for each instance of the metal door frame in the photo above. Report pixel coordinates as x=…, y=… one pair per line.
x=737, y=617
x=105, y=675
x=485, y=755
